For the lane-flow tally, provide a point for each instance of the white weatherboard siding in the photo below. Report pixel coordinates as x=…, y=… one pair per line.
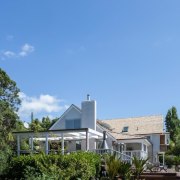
x=73, y=113
x=88, y=119
x=156, y=145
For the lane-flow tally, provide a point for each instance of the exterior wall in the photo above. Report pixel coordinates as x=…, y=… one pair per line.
x=155, y=139
x=88, y=119
x=150, y=153
x=73, y=113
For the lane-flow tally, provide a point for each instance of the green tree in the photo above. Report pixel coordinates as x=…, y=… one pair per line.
x=35, y=125
x=9, y=91
x=46, y=123
x=9, y=103
x=172, y=123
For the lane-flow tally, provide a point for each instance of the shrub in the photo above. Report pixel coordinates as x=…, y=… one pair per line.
x=5, y=158
x=113, y=165
x=139, y=166
x=169, y=160
x=82, y=165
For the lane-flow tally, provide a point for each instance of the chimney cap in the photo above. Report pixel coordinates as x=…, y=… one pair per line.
x=88, y=97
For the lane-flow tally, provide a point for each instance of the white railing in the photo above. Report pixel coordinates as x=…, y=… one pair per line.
x=119, y=155
x=139, y=154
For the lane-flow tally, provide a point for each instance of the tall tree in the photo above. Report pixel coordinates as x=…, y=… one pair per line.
x=172, y=122
x=9, y=102
x=9, y=91
x=35, y=125
x=46, y=123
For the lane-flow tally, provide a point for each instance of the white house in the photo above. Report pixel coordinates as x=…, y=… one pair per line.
x=79, y=129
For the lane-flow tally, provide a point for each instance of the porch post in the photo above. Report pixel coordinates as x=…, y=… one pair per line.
x=146, y=151
x=163, y=158
x=46, y=144
x=87, y=140
x=142, y=151
x=62, y=143
x=119, y=149
x=18, y=145
x=125, y=147
x=32, y=145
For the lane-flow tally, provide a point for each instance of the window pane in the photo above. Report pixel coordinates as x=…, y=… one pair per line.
x=69, y=124
x=78, y=145
x=77, y=123
x=73, y=124
x=125, y=129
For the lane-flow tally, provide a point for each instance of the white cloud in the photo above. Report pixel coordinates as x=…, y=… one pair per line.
x=42, y=104
x=9, y=54
x=26, y=49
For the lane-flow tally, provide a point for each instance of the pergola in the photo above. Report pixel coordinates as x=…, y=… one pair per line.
x=59, y=135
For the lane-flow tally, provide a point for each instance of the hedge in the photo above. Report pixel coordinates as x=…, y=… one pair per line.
x=79, y=165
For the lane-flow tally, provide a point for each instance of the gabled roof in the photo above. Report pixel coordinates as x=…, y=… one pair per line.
x=137, y=126
x=71, y=107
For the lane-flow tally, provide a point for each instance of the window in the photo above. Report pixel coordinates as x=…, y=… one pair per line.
x=73, y=123
x=78, y=145
x=125, y=129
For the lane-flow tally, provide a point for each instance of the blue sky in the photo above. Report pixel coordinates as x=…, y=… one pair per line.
x=125, y=54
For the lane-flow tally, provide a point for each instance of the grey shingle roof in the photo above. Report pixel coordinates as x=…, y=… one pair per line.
x=137, y=126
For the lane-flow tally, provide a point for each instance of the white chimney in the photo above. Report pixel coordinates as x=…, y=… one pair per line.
x=88, y=119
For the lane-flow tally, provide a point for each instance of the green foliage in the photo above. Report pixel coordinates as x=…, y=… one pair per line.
x=20, y=126
x=139, y=166
x=172, y=160
x=172, y=123
x=46, y=123
x=173, y=126
x=41, y=125
x=113, y=165
x=5, y=157
x=9, y=91
x=82, y=165
x=36, y=125
x=125, y=170
x=9, y=103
